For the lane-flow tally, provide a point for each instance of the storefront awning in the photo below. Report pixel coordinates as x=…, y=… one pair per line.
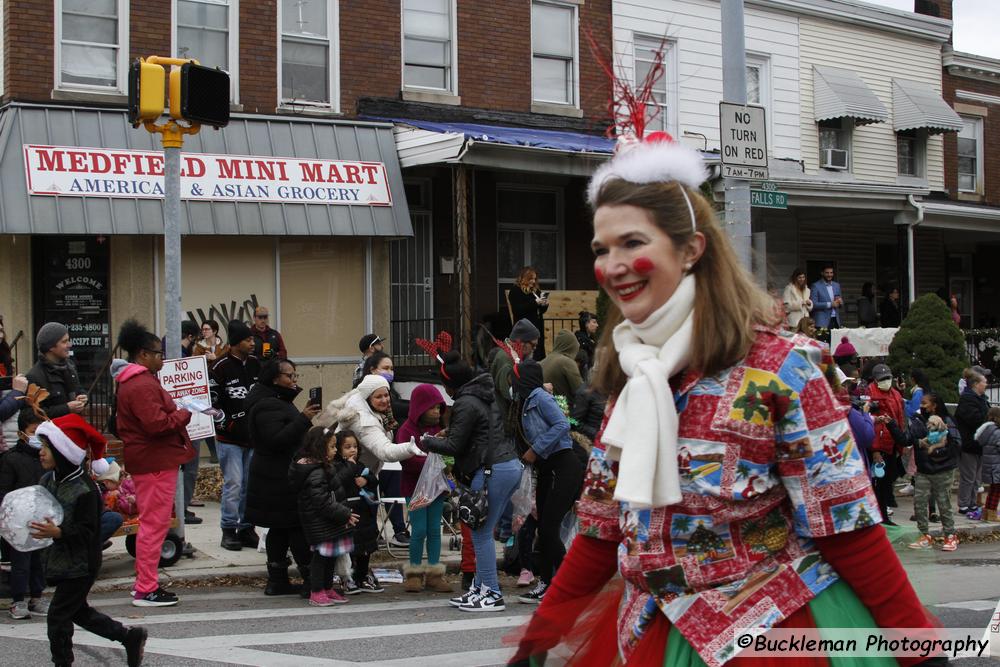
x=261, y=175
x=915, y=106
x=840, y=93
x=422, y=142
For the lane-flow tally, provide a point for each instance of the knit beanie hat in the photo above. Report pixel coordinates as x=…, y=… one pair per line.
x=524, y=331
x=50, y=334
x=112, y=474
x=238, y=332
x=370, y=384
x=455, y=372
x=85, y=437
x=845, y=349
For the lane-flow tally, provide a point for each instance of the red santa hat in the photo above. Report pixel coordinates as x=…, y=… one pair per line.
x=79, y=437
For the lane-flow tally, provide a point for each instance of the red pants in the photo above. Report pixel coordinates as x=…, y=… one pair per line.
x=154, y=493
x=993, y=498
x=468, y=551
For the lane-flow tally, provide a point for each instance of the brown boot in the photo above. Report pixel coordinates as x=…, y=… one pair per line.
x=990, y=515
x=414, y=578
x=436, y=581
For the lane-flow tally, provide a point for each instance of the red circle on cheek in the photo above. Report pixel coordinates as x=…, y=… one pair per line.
x=599, y=275
x=643, y=265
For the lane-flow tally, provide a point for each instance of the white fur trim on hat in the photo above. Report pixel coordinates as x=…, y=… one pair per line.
x=69, y=449
x=370, y=384
x=651, y=162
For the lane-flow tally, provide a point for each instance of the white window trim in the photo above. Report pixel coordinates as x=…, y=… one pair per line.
x=453, y=68
x=333, y=34
x=121, y=86
x=234, y=41
x=847, y=127
x=669, y=75
x=558, y=228
x=575, y=102
x=763, y=60
x=919, y=159
x=980, y=175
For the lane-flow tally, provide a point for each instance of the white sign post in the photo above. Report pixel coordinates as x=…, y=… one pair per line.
x=744, y=141
x=186, y=380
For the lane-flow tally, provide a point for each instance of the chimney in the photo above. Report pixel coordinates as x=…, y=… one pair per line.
x=936, y=8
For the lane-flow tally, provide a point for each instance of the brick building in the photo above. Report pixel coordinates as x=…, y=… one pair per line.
x=519, y=104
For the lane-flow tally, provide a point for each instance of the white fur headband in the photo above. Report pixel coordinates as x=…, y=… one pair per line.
x=652, y=162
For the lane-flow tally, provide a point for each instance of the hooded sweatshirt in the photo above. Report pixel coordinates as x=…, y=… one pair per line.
x=152, y=428
x=559, y=366
x=423, y=398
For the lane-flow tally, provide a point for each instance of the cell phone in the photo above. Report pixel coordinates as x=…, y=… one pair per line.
x=316, y=396
x=545, y=295
x=6, y=383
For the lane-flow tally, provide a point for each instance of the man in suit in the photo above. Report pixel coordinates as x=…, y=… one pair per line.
x=827, y=300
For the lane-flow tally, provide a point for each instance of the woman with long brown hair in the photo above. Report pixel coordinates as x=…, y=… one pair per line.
x=527, y=302
x=724, y=485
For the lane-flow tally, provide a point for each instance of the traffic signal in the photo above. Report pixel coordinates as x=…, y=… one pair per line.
x=200, y=94
x=145, y=92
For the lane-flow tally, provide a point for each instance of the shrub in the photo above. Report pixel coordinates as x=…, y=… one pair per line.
x=929, y=339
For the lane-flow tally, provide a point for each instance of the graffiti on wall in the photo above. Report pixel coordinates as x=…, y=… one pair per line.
x=223, y=313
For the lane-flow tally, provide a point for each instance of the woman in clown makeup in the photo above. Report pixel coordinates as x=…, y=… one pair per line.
x=737, y=497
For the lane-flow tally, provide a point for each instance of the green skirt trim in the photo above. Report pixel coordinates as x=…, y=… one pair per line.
x=836, y=607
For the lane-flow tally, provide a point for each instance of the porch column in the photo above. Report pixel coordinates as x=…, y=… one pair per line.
x=461, y=184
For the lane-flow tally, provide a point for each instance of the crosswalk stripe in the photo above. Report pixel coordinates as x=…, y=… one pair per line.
x=496, y=656
x=972, y=605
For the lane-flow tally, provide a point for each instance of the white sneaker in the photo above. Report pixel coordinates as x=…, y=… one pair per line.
x=473, y=592
x=535, y=595
x=486, y=600
x=905, y=491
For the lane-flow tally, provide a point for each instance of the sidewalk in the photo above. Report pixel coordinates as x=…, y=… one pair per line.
x=211, y=561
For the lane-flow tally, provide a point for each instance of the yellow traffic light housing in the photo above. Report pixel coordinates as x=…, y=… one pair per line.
x=145, y=92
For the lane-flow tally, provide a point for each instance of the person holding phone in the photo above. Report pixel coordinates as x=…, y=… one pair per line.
x=528, y=302
x=276, y=429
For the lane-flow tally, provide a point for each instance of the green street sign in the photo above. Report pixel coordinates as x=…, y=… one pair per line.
x=768, y=199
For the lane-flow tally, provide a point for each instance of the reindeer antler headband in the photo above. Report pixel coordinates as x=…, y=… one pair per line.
x=441, y=345
x=513, y=349
x=642, y=158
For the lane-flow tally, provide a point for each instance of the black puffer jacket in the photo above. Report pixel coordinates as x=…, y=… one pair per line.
x=77, y=551
x=588, y=410
x=944, y=458
x=322, y=500
x=276, y=430
x=969, y=416
x=19, y=467
x=475, y=434
x=62, y=383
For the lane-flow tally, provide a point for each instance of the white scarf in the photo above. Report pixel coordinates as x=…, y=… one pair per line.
x=642, y=431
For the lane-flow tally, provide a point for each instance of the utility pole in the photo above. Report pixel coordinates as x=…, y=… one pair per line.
x=734, y=90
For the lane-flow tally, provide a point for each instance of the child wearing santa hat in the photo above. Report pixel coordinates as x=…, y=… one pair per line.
x=73, y=560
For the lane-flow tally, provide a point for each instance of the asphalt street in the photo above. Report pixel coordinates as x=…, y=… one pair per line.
x=240, y=626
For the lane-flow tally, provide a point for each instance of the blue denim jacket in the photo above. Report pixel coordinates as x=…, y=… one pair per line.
x=545, y=425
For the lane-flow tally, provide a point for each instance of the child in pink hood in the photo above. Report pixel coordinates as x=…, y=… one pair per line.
x=426, y=402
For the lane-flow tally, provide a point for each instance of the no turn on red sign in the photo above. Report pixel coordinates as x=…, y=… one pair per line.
x=743, y=135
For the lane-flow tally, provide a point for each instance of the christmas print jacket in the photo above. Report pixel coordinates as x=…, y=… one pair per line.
x=767, y=462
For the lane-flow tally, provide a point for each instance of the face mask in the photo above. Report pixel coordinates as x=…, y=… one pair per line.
x=388, y=375
x=34, y=442
x=884, y=385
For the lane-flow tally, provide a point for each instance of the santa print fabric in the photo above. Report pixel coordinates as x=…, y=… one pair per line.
x=767, y=463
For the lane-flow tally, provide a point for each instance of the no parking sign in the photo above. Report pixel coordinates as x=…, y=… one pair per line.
x=186, y=380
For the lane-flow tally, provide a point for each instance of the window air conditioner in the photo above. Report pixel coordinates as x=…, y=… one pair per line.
x=833, y=158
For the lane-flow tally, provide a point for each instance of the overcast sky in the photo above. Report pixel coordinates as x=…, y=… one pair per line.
x=976, y=23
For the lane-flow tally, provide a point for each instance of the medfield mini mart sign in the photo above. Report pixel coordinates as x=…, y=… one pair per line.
x=98, y=172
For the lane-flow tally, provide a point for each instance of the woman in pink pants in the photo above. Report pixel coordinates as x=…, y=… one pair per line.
x=154, y=433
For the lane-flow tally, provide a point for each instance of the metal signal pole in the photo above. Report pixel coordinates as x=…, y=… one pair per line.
x=734, y=89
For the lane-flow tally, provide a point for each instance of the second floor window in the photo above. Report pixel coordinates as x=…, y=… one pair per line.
x=427, y=44
x=658, y=109
x=90, y=35
x=970, y=155
x=553, y=53
x=307, y=52
x=910, y=153
x=204, y=33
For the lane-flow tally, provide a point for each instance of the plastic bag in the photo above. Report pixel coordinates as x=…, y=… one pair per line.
x=523, y=499
x=567, y=530
x=262, y=542
x=431, y=483
x=22, y=506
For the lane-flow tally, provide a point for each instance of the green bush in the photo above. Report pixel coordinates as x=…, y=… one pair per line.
x=929, y=339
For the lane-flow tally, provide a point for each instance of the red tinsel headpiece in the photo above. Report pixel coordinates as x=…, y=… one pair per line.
x=436, y=348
